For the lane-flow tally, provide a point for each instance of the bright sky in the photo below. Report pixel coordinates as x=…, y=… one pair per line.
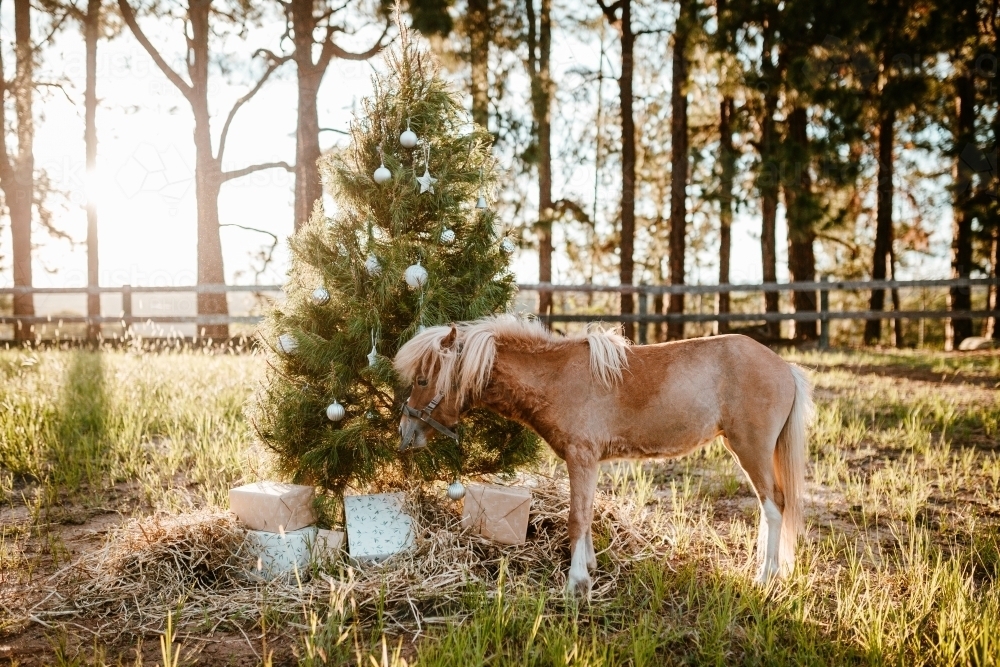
x=145, y=182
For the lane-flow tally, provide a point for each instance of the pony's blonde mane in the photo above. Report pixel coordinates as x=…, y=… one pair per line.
x=466, y=365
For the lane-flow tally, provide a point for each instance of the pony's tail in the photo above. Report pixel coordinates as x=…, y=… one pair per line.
x=790, y=467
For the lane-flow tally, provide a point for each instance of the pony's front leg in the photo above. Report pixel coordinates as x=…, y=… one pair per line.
x=582, y=487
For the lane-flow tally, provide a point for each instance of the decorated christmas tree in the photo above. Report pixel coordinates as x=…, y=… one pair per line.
x=411, y=242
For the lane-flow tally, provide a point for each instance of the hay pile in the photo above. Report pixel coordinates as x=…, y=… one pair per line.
x=195, y=564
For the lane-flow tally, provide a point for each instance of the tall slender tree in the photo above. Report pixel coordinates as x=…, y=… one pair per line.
x=92, y=20
x=619, y=15
x=198, y=17
x=17, y=165
x=960, y=298
x=801, y=214
x=478, y=27
x=539, y=38
x=679, y=166
x=312, y=24
x=727, y=169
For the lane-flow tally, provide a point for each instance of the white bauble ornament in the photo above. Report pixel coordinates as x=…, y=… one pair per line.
x=320, y=296
x=408, y=138
x=373, y=266
x=416, y=276
x=456, y=490
x=508, y=246
x=448, y=236
x=335, y=411
x=287, y=343
x=382, y=174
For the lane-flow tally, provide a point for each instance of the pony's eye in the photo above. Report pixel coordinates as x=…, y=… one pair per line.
x=422, y=382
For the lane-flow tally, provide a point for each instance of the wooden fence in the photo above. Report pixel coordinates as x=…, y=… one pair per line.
x=822, y=288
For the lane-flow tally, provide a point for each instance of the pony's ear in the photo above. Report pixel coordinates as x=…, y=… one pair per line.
x=449, y=340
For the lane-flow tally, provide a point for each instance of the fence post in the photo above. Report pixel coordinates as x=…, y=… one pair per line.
x=824, y=320
x=642, y=317
x=126, y=308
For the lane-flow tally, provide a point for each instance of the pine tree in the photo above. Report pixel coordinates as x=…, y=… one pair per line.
x=346, y=291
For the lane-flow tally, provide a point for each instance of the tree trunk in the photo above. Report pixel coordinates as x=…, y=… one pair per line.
x=628, y=163
x=20, y=195
x=961, y=247
x=883, y=221
x=208, y=177
x=801, y=223
x=91, y=29
x=995, y=289
x=308, y=185
x=769, y=210
x=727, y=158
x=541, y=98
x=679, y=169
x=478, y=22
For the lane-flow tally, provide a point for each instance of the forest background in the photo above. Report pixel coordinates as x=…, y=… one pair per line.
x=173, y=143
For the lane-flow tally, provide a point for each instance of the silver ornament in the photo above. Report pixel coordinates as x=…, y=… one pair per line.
x=408, y=138
x=320, y=296
x=448, y=237
x=507, y=246
x=373, y=355
x=456, y=490
x=426, y=182
x=382, y=174
x=372, y=265
x=335, y=411
x=481, y=202
x=416, y=276
x=287, y=343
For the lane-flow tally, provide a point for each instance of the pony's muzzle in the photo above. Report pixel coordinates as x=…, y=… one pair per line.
x=411, y=434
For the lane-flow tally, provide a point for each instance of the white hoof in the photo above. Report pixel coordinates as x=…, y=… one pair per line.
x=578, y=586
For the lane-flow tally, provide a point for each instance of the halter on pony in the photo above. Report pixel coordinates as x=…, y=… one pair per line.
x=424, y=415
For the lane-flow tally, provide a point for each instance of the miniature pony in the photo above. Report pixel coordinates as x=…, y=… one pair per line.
x=594, y=397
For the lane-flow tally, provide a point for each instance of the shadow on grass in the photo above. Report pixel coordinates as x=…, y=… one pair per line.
x=660, y=616
x=80, y=452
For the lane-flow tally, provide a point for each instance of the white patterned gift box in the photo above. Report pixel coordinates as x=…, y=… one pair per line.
x=280, y=555
x=377, y=526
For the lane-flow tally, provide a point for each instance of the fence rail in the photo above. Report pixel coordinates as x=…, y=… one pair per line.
x=823, y=315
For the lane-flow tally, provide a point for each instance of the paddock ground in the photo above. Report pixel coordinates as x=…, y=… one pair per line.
x=899, y=566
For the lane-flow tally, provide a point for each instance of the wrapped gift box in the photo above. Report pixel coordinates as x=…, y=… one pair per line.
x=280, y=554
x=327, y=545
x=273, y=506
x=377, y=526
x=499, y=513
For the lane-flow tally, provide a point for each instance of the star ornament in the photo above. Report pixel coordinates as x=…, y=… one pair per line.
x=426, y=182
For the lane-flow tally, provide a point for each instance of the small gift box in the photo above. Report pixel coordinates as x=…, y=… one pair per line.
x=377, y=526
x=327, y=545
x=281, y=554
x=499, y=513
x=273, y=506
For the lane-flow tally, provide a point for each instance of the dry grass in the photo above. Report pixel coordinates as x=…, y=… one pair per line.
x=196, y=566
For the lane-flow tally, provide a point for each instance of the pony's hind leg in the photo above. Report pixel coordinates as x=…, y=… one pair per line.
x=756, y=460
x=582, y=487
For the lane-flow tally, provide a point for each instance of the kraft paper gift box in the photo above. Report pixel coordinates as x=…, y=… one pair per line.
x=499, y=513
x=273, y=506
x=377, y=526
x=279, y=555
x=327, y=545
